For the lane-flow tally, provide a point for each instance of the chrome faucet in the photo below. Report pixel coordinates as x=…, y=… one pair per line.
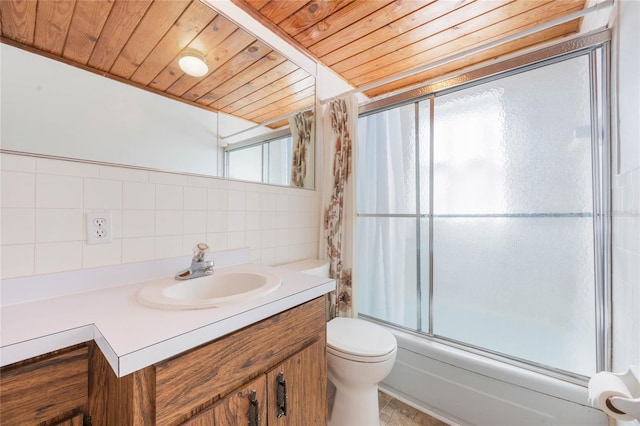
x=199, y=266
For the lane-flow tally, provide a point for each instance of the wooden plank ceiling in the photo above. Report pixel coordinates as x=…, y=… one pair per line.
x=366, y=41
x=139, y=42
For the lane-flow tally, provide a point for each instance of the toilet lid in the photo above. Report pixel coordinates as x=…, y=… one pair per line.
x=359, y=337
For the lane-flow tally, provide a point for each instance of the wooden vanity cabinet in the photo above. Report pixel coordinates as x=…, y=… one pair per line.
x=289, y=391
x=50, y=389
x=246, y=406
x=305, y=389
x=213, y=384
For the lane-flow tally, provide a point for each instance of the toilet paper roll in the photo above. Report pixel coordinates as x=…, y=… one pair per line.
x=603, y=386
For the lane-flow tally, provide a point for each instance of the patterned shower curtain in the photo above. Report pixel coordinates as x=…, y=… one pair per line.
x=301, y=125
x=338, y=200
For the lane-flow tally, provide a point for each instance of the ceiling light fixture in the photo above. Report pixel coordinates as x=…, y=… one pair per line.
x=193, y=64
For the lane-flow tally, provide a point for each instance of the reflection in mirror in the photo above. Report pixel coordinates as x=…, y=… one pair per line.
x=82, y=99
x=283, y=156
x=267, y=160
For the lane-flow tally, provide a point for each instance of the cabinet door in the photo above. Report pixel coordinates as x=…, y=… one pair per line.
x=244, y=406
x=77, y=420
x=203, y=419
x=225, y=364
x=298, y=389
x=44, y=388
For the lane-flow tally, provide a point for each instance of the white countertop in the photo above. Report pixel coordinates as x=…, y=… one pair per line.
x=133, y=336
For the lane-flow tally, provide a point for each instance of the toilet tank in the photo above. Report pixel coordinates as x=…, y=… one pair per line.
x=309, y=266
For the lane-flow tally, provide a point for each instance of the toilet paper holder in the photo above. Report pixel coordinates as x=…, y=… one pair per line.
x=623, y=407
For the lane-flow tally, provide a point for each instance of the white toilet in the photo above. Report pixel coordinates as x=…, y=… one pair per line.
x=360, y=355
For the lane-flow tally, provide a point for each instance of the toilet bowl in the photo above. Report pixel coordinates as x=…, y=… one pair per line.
x=360, y=355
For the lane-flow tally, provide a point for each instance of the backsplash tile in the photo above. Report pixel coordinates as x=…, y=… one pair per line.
x=56, y=257
x=169, y=197
x=201, y=182
x=237, y=200
x=155, y=215
x=169, y=222
x=236, y=221
x=101, y=194
x=138, y=223
x=217, y=221
x=217, y=241
x=94, y=255
x=123, y=174
x=194, y=222
x=138, y=195
x=168, y=246
x=61, y=192
x=18, y=226
x=18, y=189
x=253, y=221
x=236, y=240
x=138, y=249
x=17, y=163
x=56, y=225
x=253, y=201
x=17, y=260
x=217, y=200
x=195, y=198
x=168, y=178
x=189, y=241
x=66, y=168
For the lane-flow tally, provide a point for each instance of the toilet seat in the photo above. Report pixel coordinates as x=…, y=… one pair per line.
x=359, y=340
x=362, y=359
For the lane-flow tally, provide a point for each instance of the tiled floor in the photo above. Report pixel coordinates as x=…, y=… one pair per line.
x=395, y=413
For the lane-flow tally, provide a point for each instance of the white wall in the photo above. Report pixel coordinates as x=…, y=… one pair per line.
x=53, y=108
x=626, y=187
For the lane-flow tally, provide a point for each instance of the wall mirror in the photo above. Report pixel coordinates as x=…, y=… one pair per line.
x=122, y=54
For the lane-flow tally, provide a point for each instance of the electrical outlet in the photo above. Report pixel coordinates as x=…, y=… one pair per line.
x=99, y=222
x=99, y=229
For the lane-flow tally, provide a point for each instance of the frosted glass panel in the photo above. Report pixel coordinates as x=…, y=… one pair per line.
x=387, y=269
x=519, y=286
x=386, y=169
x=424, y=114
x=520, y=144
x=425, y=274
x=512, y=216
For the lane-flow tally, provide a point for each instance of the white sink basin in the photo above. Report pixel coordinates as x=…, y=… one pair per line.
x=219, y=289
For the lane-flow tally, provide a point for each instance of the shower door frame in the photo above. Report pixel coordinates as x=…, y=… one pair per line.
x=597, y=47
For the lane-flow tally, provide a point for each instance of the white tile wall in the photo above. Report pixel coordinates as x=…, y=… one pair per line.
x=626, y=270
x=61, y=192
x=626, y=190
x=18, y=226
x=154, y=215
x=18, y=190
x=55, y=225
x=138, y=195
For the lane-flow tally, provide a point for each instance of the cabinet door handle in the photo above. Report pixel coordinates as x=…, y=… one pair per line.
x=254, y=412
x=86, y=420
x=282, y=395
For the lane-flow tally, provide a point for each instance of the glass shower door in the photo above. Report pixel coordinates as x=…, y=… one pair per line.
x=513, y=235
